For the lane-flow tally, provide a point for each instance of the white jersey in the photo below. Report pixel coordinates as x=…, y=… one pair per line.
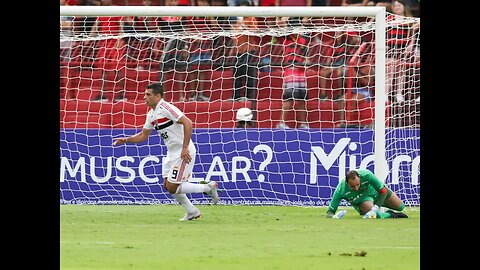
x=164, y=119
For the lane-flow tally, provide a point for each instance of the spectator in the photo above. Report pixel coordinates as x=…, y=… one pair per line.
x=244, y=118
x=221, y=43
x=354, y=2
x=175, y=51
x=219, y=3
x=413, y=4
x=294, y=77
x=343, y=46
x=245, y=49
x=266, y=3
x=110, y=55
x=66, y=31
x=83, y=25
x=141, y=47
x=381, y=3
x=200, y=54
x=363, y=65
x=186, y=2
x=399, y=35
x=221, y=21
x=297, y=3
x=146, y=24
x=413, y=47
x=112, y=61
x=320, y=2
x=413, y=60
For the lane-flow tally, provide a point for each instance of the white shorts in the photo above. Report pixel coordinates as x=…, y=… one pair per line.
x=175, y=169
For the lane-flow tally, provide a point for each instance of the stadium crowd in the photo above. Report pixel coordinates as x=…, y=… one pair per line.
x=185, y=60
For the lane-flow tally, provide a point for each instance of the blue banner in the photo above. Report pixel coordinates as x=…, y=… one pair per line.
x=252, y=166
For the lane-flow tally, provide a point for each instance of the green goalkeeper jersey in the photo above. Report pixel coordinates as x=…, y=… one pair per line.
x=369, y=187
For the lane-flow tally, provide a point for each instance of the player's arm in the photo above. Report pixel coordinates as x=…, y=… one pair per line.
x=139, y=137
x=335, y=202
x=187, y=135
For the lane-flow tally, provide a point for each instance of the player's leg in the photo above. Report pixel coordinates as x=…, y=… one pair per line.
x=325, y=73
x=286, y=106
x=287, y=103
x=341, y=74
x=179, y=173
x=105, y=75
x=393, y=201
x=252, y=76
x=364, y=207
x=300, y=102
x=120, y=83
x=239, y=75
x=192, y=211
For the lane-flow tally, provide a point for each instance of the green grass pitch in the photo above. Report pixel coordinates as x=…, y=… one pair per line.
x=234, y=237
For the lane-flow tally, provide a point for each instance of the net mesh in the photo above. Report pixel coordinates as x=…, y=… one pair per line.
x=211, y=67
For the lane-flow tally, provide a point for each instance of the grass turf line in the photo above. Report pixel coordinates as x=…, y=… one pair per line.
x=233, y=237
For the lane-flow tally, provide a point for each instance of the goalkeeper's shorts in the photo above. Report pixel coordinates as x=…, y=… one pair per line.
x=369, y=197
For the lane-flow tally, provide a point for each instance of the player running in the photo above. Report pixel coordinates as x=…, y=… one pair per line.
x=176, y=132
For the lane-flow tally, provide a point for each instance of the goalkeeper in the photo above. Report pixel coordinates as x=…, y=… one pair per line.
x=367, y=194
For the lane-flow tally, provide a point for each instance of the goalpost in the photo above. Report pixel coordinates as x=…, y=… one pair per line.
x=355, y=119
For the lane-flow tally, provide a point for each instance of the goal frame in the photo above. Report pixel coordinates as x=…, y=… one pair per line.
x=381, y=166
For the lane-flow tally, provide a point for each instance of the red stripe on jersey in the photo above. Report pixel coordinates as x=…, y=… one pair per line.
x=167, y=107
x=160, y=121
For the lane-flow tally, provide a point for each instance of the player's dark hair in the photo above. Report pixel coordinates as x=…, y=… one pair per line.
x=351, y=175
x=157, y=88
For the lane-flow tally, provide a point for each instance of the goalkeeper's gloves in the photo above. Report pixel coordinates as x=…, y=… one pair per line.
x=340, y=214
x=377, y=208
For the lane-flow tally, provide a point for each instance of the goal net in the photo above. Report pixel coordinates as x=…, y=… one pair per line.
x=355, y=100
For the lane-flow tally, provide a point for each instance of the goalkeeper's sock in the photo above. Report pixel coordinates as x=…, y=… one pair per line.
x=400, y=209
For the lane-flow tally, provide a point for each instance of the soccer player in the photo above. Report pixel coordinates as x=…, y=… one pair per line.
x=367, y=194
x=176, y=132
x=245, y=50
x=294, y=75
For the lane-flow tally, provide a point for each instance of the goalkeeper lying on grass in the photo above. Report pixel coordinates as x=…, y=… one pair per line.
x=367, y=194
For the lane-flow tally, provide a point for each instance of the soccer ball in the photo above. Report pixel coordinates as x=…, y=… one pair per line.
x=244, y=114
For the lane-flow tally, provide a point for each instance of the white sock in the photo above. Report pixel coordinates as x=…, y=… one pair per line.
x=187, y=188
x=185, y=202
